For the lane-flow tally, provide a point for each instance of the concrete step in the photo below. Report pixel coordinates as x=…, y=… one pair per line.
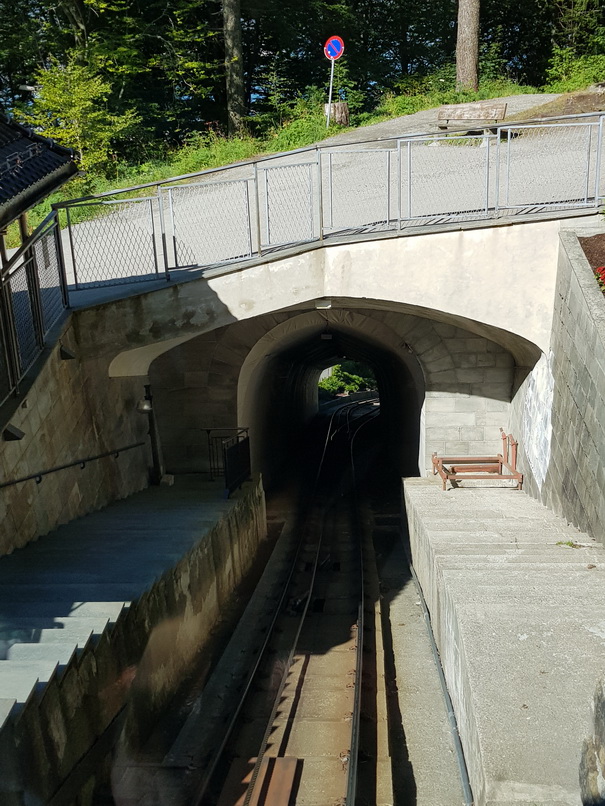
x=18, y=677
x=53, y=653
x=40, y=631
x=45, y=609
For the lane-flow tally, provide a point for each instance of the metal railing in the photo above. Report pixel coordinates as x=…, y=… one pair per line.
x=224, y=215
x=33, y=297
x=81, y=463
x=229, y=455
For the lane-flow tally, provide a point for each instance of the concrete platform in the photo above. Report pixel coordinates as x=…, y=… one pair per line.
x=517, y=602
x=63, y=591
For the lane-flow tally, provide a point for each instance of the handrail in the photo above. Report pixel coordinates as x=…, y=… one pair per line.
x=81, y=462
x=38, y=233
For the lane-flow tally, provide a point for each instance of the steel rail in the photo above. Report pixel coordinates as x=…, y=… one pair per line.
x=358, y=684
x=202, y=791
x=211, y=768
x=284, y=678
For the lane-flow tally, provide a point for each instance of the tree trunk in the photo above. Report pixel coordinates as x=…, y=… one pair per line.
x=234, y=64
x=467, y=45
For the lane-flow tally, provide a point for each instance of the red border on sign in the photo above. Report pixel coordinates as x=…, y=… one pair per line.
x=342, y=48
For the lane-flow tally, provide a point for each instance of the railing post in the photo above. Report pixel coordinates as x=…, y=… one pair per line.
x=497, y=188
x=487, y=166
x=163, y=231
x=409, y=156
x=320, y=205
x=331, y=190
x=388, y=216
x=172, y=224
x=587, y=169
x=71, y=246
x=60, y=259
x=9, y=332
x=33, y=283
x=248, y=216
x=257, y=198
x=267, y=223
x=597, y=194
x=399, y=168
x=508, y=142
x=155, y=251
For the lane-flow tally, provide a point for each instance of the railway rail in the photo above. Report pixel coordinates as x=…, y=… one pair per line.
x=294, y=735
x=299, y=714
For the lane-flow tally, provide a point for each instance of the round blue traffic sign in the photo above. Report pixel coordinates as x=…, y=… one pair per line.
x=334, y=48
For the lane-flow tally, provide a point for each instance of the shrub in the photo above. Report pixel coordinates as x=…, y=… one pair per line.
x=569, y=72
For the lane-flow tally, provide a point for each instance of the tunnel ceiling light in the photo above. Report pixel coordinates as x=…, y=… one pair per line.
x=323, y=304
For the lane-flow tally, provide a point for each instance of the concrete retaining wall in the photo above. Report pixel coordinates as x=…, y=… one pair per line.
x=558, y=413
x=72, y=411
x=138, y=664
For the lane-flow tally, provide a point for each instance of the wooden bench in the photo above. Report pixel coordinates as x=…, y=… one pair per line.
x=480, y=113
x=502, y=466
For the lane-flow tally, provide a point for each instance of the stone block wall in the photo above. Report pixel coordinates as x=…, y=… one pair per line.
x=465, y=380
x=559, y=411
x=72, y=411
x=134, y=670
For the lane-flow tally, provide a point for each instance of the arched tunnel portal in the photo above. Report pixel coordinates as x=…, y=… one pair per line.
x=444, y=386
x=277, y=388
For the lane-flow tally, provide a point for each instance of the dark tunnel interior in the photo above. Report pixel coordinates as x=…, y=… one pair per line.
x=287, y=401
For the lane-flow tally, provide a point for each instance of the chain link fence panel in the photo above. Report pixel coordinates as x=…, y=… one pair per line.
x=549, y=166
x=287, y=199
x=27, y=341
x=359, y=193
x=445, y=178
x=49, y=277
x=210, y=221
x=117, y=246
x=6, y=385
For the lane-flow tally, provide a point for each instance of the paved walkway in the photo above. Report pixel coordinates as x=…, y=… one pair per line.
x=517, y=598
x=63, y=591
x=425, y=122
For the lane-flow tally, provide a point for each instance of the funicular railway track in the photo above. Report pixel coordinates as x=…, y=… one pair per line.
x=294, y=737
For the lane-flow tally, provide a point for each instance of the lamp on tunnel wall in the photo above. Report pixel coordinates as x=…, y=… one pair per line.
x=145, y=406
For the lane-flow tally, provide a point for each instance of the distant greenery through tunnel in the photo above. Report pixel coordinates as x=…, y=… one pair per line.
x=347, y=378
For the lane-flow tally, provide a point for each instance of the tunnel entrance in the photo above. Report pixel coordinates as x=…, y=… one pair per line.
x=283, y=396
x=442, y=387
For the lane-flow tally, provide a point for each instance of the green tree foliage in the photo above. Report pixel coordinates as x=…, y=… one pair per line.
x=349, y=377
x=163, y=61
x=70, y=106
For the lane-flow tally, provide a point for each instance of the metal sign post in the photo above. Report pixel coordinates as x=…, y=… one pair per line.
x=333, y=49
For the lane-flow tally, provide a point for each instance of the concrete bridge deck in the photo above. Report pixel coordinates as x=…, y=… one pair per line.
x=516, y=598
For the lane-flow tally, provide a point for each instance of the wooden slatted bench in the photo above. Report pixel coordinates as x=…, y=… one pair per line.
x=502, y=466
x=479, y=113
